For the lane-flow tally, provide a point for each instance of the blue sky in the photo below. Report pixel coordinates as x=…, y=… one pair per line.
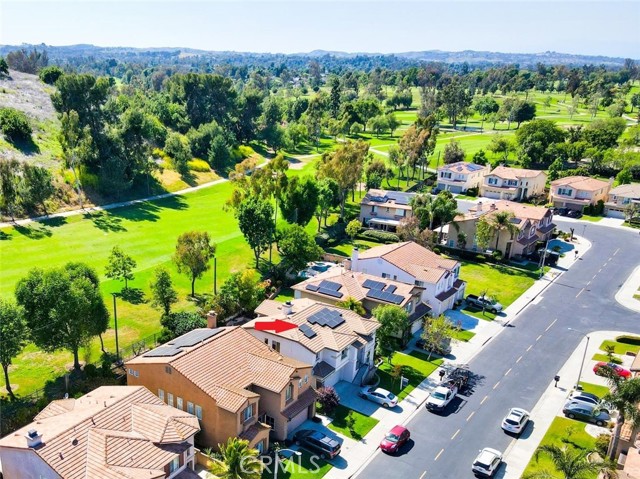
x=573, y=26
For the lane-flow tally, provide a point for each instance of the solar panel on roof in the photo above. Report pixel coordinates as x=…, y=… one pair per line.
x=193, y=337
x=385, y=296
x=371, y=284
x=474, y=167
x=312, y=287
x=330, y=292
x=330, y=285
x=390, y=288
x=162, y=351
x=307, y=331
x=326, y=317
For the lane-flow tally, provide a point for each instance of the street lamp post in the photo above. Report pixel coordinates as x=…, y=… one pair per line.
x=584, y=355
x=544, y=256
x=115, y=320
x=297, y=453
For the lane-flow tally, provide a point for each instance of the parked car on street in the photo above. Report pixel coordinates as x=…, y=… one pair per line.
x=487, y=462
x=379, y=395
x=587, y=413
x=395, y=439
x=574, y=214
x=484, y=302
x=516, y=421
x=601, y=369
x=441, y=396
x=318, y=442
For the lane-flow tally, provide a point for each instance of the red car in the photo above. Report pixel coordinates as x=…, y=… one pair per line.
x=395, y=439
x=601, y=367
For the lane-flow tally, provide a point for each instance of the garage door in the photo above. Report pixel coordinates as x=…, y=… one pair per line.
x=614, y=213
x=297, y=420
x=415, y=327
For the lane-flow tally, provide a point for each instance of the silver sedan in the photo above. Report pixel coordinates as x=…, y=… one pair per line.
x=379, y=395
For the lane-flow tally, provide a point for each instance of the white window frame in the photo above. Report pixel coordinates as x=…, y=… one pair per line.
x=174, y=465
x=198, y=412
x=170, y=399
x=179, y=403
x=247, y=413
x=189, y=407
x=288, y=393
x=161, y=394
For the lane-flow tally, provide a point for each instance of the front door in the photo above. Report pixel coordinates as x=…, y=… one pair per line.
x=507, y=251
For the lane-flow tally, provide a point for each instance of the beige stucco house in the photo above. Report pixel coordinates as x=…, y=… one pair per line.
x=516, y=184
x=620, y=200
x=382, y=209
x=576, y=192
x=534, y=223
x=460, y=176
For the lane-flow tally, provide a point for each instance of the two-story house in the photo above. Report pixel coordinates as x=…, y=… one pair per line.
x=410, y=263
x=335, y=286
x=235, y=384
x=533, y=223
x=517, y=184
x=460, y=176
x=113, y=432
x=338, y=342
x=576, y=192
x=620, y=200
x=382, y=209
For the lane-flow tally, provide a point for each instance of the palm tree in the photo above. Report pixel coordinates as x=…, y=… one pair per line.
x=503, y=221
x=352, y=304
x=239, y=461
x=572, y=464
x=445, y=209
x=424, y=208
x=625, y=397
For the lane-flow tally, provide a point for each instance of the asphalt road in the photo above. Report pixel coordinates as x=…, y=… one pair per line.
x=515, y=367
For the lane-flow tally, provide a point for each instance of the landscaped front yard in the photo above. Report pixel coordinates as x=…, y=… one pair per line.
x=299, y=467
x=415, y=367
x=361, y=426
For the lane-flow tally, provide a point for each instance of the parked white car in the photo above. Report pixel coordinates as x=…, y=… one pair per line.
x=487, y=462
x=379, y=395
x=516, y=421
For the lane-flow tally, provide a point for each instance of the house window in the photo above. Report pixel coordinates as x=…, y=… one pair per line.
x=385, y=275
x=170, y=399
x=189, y=407
x=344, y=353
x=268, y=420
x=179, y=404
x=306, y=378
x=266, y=341
x=198, y=412
x=565, y=191
x=409, y=307
x=260, y=447
x=247, y=413
x=161, y=394
x=289, y=392
x=167, y=369
x=174, y=465
x=300, y=384
x=492, y=181
x=275, y=345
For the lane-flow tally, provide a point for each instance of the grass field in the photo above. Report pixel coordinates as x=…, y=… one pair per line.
x=562, y=432
x=415, y=367
x=361, y=426
x=596, y=389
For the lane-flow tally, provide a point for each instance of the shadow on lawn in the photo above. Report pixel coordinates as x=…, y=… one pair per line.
x=132, y=295
x=105, y=221
x=36, y=231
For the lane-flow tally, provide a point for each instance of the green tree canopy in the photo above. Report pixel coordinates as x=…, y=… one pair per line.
x=239, y=461
x=299, y=200
x=63, y=307
x=194, y=250
x=162, y=292
x=453, y=152
x=120, y=266
x=241, y=292
x=13, y=337
x=179, y=323
x=297, y=247
x=255, y=220
x=394, y=323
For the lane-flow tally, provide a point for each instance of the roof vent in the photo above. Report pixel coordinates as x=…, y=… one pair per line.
x=34, y=438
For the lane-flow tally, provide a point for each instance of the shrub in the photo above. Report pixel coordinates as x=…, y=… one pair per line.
x=328, y=399
x=91, y=371
x=199, y=165
x=50, y=74
x=602, y=444
x=633, y=340
x=472, y=191
x=380, y=236
x=88, y=180
x=245, y=151
x=15, y=124
x=322, y=239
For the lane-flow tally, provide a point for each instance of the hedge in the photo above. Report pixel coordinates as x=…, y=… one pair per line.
x=380, y=236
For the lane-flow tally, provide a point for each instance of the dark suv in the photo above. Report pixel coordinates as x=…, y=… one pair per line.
x=317, y=442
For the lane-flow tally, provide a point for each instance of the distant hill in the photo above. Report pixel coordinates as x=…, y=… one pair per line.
x=160, y=54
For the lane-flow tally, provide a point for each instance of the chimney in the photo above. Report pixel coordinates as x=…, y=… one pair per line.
x=212, y=320
x=34, y=438
x=287, y=308
x=354, y=259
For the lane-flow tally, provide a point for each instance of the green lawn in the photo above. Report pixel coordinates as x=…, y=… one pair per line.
x=605, y=358
x=463, y=335
x=299, y=467
x=593, y=219
x=346, y=247
x=148, y=232
x=415, y=367
x=623, y=344
x=285, y=294
x=562, y=432
x=363, y=424
x=596, y=389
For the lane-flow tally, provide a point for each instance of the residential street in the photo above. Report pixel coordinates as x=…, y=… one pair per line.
x=515, y=368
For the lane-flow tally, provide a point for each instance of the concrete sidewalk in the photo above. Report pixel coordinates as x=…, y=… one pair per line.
x=550, y=405
x=357, y=454
x=631, y=287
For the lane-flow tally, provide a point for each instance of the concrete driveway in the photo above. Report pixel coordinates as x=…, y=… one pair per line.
x=349, y=397
x=465, y=321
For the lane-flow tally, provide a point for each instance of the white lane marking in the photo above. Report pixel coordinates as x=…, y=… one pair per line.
x=496, y=385
x=538, y=338
x=455, y=434
x=518, y=360
x=588, y=283
x=484, y=399
x=441, y=451
x=580, y=292
x=616, y=252
x=423, y=474
x=549, y=327
x=529, y=348
x=508, y=371
x=471, y=415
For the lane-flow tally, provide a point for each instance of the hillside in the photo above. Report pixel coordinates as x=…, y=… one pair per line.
x=28, y=94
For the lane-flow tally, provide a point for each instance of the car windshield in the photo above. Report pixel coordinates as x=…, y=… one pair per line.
x=392, y=437
x=438, y=395
x=512, y=422
x=391, y=396
x=481, y=464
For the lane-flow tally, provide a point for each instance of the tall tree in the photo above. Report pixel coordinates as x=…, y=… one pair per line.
x=502, y=221
x=63, y=307
x=299, y=200
x=572, y=463
x=162, y=292
x=453, y=152
x=344, y=165
x=9, y=186
x=297, y=247
x=38, y=185
x=238, y=461
x=625, y=398
x=241, y=292
x=418, y=142
x=120, y=266
x=445, y=208
x=255, y=219
x=194, y=250
x=436, y=331
x=4, y=68
x=13, y=337
x=455, y=98
x=327, y=199
x=394, y=321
